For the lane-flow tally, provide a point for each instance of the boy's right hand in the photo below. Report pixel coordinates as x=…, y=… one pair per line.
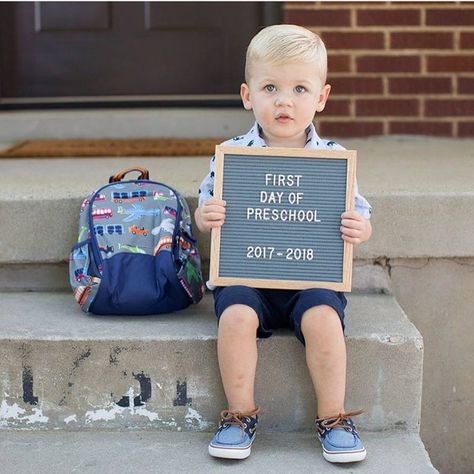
x=210, y=215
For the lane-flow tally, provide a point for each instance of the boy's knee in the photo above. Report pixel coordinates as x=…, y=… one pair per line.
x=239, y=317
x=319, y=317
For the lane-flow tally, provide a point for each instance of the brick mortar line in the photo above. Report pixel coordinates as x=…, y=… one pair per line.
x=379, y=118
x=362, y=6
x=448, y=52
x=423, y=63
x=423, y=17
x=352, y=64
x=375, y=75
x=352, y=108
x=391, y=96
x=392, y=28
x=401, y=52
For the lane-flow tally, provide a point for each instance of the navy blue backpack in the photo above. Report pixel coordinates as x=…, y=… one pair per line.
x=135, y=253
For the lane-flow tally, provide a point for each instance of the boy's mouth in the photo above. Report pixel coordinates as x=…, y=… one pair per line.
x=283, y=118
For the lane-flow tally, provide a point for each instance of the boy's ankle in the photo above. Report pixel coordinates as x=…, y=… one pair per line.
x=242, y=411
x=324, y=414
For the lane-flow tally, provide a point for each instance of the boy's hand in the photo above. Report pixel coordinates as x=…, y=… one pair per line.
x=210, y=215
x=355, y=228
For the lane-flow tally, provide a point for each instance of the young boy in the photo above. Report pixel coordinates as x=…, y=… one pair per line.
x=285, y=86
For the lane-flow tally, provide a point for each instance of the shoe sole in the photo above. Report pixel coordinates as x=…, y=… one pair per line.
x=230, y=453
x=345, y=456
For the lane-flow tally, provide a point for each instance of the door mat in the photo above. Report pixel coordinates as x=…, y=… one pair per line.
x=112, y=147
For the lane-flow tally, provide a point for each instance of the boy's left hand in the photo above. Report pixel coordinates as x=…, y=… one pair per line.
x=355, y=228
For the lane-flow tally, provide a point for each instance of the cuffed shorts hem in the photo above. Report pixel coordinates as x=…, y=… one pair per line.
x=278, y=308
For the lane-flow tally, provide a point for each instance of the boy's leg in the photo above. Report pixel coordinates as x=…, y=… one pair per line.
x=237, y=308
x=321, y=314
x=237, y=354
x=326, y=358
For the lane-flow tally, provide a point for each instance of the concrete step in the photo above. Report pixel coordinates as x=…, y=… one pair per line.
x=61, y=368
x=99, y=452
x=124, y=123
x=417, y=197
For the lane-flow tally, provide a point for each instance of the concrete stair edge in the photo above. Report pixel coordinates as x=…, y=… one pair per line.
x=123, y=123
x=148, y=452
x=367, y=277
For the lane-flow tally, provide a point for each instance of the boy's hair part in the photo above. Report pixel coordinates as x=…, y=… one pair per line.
x=281, y=44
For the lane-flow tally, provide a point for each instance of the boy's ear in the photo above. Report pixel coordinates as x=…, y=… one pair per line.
x=245, y=94
x=323, y=97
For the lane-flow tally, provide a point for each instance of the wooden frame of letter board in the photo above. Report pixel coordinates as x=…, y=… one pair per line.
x=215, y=279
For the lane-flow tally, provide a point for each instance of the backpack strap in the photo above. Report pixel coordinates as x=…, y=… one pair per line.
x=144, y=174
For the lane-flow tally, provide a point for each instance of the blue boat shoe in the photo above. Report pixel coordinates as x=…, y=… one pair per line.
x=339, y=438
x=235, y=435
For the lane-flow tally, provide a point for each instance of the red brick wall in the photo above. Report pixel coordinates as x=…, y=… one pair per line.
x=395, y=68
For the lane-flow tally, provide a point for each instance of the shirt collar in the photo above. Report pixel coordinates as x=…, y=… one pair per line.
x=254, y=137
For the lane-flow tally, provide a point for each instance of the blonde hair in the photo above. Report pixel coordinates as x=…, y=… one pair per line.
x=281, y=44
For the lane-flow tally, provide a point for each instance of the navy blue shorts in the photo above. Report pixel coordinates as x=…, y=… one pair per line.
x=278, y=308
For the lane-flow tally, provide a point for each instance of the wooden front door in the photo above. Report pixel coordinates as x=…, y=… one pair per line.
x=139, y=49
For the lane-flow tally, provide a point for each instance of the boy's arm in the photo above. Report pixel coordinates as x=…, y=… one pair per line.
x=355, y=228
x=210, y=214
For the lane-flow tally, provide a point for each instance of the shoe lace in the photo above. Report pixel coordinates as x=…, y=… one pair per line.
x=235, y=417
x=337, y=421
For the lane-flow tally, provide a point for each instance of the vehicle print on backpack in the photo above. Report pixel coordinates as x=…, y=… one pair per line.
x=82, y=231
x=166, y=226
x=161, y=195
x=192, y=273
x=184, y=244
x=131, y=249
x=168, y=223
x=137, y=212
x=135, y=230
x=128, y=196
x=80, y=253
x=107, y=249
x=170, y=212
x=79, y=274
x=163, y=244
x=102, y=213
x=99, y=197
x=110, y=229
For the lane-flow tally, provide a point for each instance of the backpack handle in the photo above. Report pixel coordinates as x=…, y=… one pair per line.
x=144, y=174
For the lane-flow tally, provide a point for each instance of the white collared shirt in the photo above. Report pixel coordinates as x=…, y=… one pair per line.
x=253, y=138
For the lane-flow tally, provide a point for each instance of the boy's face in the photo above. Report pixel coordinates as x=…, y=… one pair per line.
x=284, y=100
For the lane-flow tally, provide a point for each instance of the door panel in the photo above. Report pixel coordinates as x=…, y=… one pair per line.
x=84, y=49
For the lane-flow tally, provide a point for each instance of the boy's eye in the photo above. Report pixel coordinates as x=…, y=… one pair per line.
x=270, y=88
x=300, y=89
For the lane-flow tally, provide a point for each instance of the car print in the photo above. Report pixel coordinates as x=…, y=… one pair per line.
x=135, y=230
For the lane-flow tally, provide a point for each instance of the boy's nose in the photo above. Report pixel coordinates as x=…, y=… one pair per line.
x=282, y=99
